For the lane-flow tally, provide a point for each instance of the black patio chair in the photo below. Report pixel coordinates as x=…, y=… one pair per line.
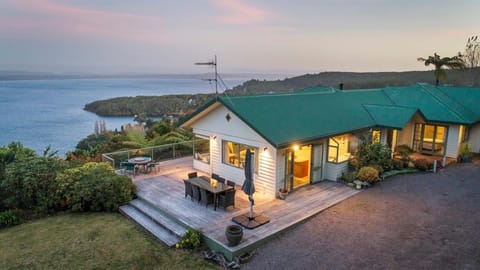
x=129, y=167
x=196, y=193
x=221, y=180
x=206, y=197
x=188, y=189
x=231, y=183
x=215, y=176
x=152, y=166
x=227, y=199
x=192, y=175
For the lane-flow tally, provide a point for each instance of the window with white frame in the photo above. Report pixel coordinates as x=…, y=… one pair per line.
x=234, y=153
x=201, y=146
x=341, y=148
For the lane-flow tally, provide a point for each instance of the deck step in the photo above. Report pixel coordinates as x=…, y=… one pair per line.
x=159, y=217
x=150, y=225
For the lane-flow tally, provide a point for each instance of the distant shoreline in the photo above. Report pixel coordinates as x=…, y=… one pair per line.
x=21, y=76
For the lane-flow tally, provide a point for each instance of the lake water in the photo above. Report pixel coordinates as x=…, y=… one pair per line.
x=39, y=113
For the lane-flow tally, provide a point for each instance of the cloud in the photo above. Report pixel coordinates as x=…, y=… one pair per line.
x=240, y=13
x=47, y=16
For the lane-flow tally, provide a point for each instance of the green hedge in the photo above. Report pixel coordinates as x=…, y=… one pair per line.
x=94, y=187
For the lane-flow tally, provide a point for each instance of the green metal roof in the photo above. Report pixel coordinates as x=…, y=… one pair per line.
x=282, y=119
x=467, y=97
x=320, y=112
x=434, y=106
x=390, y=116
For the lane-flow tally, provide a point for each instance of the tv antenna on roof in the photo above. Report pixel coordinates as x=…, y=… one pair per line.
x=214, y=64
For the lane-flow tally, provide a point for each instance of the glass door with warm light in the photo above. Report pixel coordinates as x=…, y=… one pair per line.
x=297, y=167
x=317, y=163
x=430, y=139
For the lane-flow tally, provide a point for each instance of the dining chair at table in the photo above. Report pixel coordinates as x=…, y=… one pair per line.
x=192, y=175
x=221, y=180
x=188, y=189
x=227, y=199
x=231, y=183
x=206, y=197
x=215, y=176
x=195, y=193
x=129, y=167
x=152, y=166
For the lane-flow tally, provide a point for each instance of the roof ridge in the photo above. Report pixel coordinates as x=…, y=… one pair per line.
x=422, y=86
x=456, y=102
x=370, y=114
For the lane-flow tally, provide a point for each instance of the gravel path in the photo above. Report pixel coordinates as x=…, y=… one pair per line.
x=417, y=221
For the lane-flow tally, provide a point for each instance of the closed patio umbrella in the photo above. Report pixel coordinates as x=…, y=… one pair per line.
x=248, y=187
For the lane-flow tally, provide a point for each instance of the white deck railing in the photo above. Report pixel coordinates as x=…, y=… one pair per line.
x=157, y=153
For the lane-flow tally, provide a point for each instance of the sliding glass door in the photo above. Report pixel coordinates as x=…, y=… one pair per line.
x=297, y=167
x=430, y=139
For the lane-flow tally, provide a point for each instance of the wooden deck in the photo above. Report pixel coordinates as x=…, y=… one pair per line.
x=165, y=190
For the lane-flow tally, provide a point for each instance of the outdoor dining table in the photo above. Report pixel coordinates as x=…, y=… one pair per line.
x=141, y=161
x=210, y=185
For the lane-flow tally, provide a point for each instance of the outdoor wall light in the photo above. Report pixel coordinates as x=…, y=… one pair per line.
x=265, y=149
x=295, y=147
x=214, y=137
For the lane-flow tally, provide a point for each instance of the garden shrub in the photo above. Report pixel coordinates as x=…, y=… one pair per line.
x=9, y=218
x=370, y=154
x=398, y=164
x=404, y=151
x=465, y=149
x=94, y=187
x=368, y=174
x=191, y=240
x=423, y=164
x=349, y=177
x=29, y=183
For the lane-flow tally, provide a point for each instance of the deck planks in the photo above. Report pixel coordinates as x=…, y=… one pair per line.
x=165, y=190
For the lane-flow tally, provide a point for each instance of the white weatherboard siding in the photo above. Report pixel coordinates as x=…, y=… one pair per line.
x=474, y=137
x=405, y=136
x=280, y=183
x=383, y=136
x=452, y=141
x=333, y=171
x=215, y=124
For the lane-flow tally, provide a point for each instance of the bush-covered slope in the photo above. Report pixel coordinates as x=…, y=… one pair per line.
x=179, y=104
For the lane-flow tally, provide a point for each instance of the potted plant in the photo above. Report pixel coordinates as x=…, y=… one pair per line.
x=465, y=152
x=234, y=234
x=282, y=193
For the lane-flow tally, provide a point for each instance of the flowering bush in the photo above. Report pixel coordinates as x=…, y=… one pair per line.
x=368, y=174
x=423, y=164
x=192, y=239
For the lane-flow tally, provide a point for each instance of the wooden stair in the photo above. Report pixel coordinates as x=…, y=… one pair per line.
x=154, y=221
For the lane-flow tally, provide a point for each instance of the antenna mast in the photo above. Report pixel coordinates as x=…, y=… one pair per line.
x=214, y=64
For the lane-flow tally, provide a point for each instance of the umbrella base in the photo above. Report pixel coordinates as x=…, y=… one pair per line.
x=245, y=221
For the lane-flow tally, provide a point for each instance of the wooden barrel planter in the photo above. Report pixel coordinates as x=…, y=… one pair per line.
x=234, y=234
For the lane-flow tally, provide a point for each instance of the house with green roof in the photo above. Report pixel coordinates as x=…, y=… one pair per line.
x=308, y=136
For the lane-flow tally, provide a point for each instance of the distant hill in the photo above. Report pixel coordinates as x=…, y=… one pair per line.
x=181, y=104
x=150, y=105
x=350, y=80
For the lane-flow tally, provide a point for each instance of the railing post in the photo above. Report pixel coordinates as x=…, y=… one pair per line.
x=173, y=147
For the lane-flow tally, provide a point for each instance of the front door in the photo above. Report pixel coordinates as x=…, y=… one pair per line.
x=297, y=167
x=317, y=163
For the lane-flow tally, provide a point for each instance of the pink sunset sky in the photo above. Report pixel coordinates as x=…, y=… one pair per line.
x=263, y=36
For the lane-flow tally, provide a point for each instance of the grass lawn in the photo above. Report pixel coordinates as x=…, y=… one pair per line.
x=89, y=241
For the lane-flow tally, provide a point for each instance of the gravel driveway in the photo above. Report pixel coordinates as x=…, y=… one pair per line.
x=416, y=221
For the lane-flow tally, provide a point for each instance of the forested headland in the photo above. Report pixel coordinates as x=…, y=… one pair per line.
x=180, y=104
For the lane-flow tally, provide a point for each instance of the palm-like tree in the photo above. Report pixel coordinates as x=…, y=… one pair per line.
x=455, y=62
